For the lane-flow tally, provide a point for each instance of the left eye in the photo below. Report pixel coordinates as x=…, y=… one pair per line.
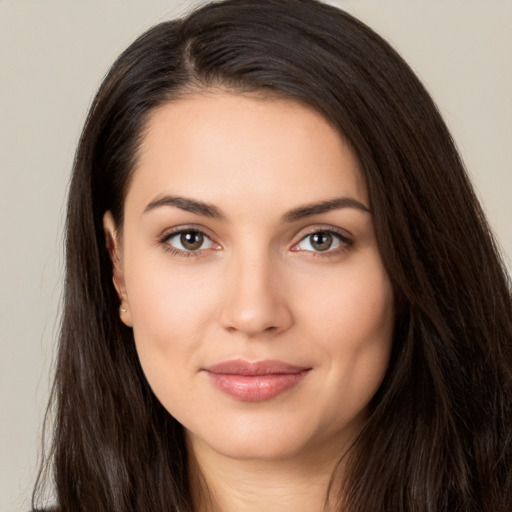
x=321, y=241
x=190, y=240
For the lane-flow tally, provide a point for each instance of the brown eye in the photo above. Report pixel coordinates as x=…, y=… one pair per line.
x=321, y=241
x=191, y=240
x=325, y=241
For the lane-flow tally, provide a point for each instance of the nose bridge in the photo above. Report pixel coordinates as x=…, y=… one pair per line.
x=254, y=302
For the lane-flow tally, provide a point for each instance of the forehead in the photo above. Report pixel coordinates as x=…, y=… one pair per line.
x=217, y=146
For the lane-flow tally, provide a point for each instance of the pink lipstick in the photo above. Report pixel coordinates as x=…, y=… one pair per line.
x=255, y=382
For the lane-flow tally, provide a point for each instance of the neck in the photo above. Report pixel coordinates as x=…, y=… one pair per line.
x=224, y=484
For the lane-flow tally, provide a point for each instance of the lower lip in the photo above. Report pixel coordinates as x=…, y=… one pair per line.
x=256, y=388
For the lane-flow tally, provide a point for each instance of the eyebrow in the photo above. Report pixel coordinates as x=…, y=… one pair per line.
x=188, y=205
x=211, y=211
x=323, y=207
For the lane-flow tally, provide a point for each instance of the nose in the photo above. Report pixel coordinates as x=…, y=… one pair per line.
x=254, y=301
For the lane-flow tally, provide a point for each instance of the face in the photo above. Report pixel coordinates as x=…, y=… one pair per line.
x=250, y=273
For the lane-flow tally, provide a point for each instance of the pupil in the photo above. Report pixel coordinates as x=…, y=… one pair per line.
x=321, y=241
x=191, y=240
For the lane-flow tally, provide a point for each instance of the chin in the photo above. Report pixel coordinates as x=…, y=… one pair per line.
x=265, y=447
x=263, y=439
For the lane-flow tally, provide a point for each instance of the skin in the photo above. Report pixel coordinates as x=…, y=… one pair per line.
x=256, y=289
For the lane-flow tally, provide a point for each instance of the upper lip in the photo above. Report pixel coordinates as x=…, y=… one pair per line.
x=242, y=367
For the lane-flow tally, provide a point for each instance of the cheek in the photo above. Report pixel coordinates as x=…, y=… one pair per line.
x=351, y=307
x=351, y=317
x=164, y=297
x=170, y=310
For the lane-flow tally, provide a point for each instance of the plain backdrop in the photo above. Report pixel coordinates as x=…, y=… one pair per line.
x=53, y=55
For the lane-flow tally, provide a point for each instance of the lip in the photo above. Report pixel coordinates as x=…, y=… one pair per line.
x=255, y=381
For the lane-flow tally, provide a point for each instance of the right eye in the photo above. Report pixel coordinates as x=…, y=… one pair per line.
x=188, y=241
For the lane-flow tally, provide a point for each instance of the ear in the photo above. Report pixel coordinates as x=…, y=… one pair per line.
x=114, y=251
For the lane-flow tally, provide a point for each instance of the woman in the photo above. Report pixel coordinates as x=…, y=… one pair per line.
x=281, y=292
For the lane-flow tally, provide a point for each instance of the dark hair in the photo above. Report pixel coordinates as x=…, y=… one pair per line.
x=439, y=436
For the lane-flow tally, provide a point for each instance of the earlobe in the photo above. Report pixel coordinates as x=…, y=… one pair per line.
x=114, y=251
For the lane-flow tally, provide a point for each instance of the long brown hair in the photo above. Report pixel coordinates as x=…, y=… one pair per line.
x=439, y=437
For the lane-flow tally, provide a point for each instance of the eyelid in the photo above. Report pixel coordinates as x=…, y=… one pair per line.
x=168, y=232
x=343, y=235
x=164, y=237
x=311, y=230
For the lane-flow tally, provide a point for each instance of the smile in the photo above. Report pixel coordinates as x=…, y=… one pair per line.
x=255, y=382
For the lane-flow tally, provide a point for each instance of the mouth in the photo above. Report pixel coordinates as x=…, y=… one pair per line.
x=255, y=381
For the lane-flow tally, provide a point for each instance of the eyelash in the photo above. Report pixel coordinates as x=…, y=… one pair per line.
x=164, y=241
x=345, y=243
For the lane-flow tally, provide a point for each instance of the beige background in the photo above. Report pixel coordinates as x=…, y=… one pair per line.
x=53, y=55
